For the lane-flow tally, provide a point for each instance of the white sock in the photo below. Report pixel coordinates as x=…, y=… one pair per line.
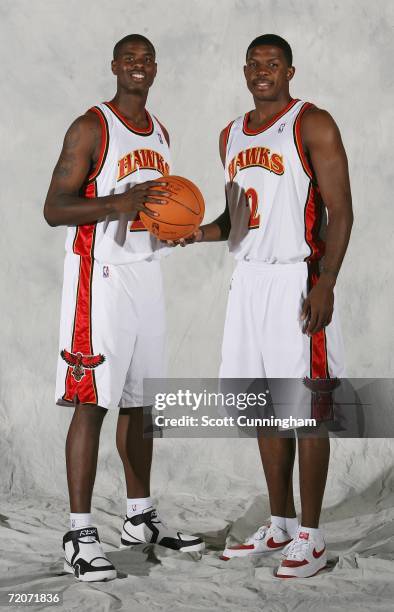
x=79, y=520
x=292, y=526
x=279, y=521
x=316, y=533
x=136, y=505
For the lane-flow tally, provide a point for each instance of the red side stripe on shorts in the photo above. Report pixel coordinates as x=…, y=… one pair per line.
x=318, y=342
x=85, y=389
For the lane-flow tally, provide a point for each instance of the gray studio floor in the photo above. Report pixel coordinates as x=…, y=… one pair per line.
x=359, y=532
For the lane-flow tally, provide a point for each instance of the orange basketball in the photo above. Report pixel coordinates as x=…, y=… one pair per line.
x=182, y=213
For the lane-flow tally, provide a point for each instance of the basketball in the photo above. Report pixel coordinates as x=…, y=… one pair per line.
x=181, y=215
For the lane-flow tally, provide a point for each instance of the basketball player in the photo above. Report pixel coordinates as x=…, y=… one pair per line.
x=284, y=163
x=112, y=317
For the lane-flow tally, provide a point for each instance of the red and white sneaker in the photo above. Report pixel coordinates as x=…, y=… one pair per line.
x=268, y=538
x=305, y=557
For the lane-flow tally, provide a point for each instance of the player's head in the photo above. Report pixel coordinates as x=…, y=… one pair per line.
x=268, y=68
x=134, y=63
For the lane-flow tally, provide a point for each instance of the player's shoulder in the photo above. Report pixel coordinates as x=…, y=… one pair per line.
x=85, y=123
x=83, y=131
x=317, y=124
x=316, y=117
x=225, y=133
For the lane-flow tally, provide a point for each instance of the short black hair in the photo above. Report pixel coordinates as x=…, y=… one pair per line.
x=133, y=38
x=275, y=41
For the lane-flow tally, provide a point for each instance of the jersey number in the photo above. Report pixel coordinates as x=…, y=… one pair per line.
x=252, y=201
x=137, y=225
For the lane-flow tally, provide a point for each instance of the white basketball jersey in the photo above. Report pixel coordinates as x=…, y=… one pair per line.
x=128, y=155
x=274, y=202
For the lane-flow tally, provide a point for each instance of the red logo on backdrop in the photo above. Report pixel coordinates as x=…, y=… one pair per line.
x=80, y=363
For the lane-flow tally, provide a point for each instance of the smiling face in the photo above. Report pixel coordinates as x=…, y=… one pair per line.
x=267, y=73
x=135, y=67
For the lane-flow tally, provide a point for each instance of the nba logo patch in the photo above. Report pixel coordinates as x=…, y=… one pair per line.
x=105, y=271
x=160, y=138
x=281, y=128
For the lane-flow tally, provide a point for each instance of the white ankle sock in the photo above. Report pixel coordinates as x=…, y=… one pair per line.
x=136, y=505
x=279, y=521
x=316, y=533
x=292, y=526
x=79, y=520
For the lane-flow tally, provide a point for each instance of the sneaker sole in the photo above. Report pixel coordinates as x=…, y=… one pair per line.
x=98, y=576
x=251, y=554
x=302, y=577
x=193, y=548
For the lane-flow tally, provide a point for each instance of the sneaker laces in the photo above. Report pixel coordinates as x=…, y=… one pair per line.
x=259, y=534
x=297, y=549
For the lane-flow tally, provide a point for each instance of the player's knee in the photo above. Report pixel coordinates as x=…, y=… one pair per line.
x=90, y=411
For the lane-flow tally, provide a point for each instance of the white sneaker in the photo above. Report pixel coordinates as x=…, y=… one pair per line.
x=147, y=528
x=84, y=557
x=267, y=538
x=306, y=556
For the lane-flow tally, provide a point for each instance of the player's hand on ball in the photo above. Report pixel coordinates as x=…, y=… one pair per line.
x=195, y=237
x=317, y=308
x=137, y=197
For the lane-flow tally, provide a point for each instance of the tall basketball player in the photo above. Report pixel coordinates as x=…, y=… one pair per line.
x=284, y=163
x=112, y=317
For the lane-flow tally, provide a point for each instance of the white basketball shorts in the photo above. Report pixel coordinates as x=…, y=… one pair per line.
x=263, y=332
x=112, y=332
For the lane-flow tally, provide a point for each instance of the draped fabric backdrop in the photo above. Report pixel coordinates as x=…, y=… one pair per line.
x=56, y=64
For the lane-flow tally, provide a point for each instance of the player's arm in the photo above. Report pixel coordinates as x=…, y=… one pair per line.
x=64, y=205
x=323, y=145
x=218, y=229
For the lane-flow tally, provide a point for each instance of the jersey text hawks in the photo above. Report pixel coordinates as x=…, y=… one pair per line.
x=256, y=156
x=142, y=159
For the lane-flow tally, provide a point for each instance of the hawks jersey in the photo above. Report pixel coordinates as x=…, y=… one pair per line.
x=128, y=155
x=274, y=203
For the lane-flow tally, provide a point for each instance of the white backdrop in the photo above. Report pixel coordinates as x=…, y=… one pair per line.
x=56, y=64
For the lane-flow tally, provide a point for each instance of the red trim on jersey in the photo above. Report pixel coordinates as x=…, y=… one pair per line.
x=104, y=143
x=318, y=342
x=313, y=213
x=164, y=130
x=227, y=131
x=141, y=131
x=298, y=140
x=270, y=123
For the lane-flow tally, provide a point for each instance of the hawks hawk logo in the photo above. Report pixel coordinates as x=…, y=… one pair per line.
x=80, y=363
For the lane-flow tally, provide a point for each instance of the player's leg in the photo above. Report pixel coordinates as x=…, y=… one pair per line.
x=277, y=452
x=277, y=456
x=84, y=556
x=142, y=524
x=135, y=452
x=314, y=455
x=89, y=376
x=81, y=458
x=242, y=359
x=289, y=355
